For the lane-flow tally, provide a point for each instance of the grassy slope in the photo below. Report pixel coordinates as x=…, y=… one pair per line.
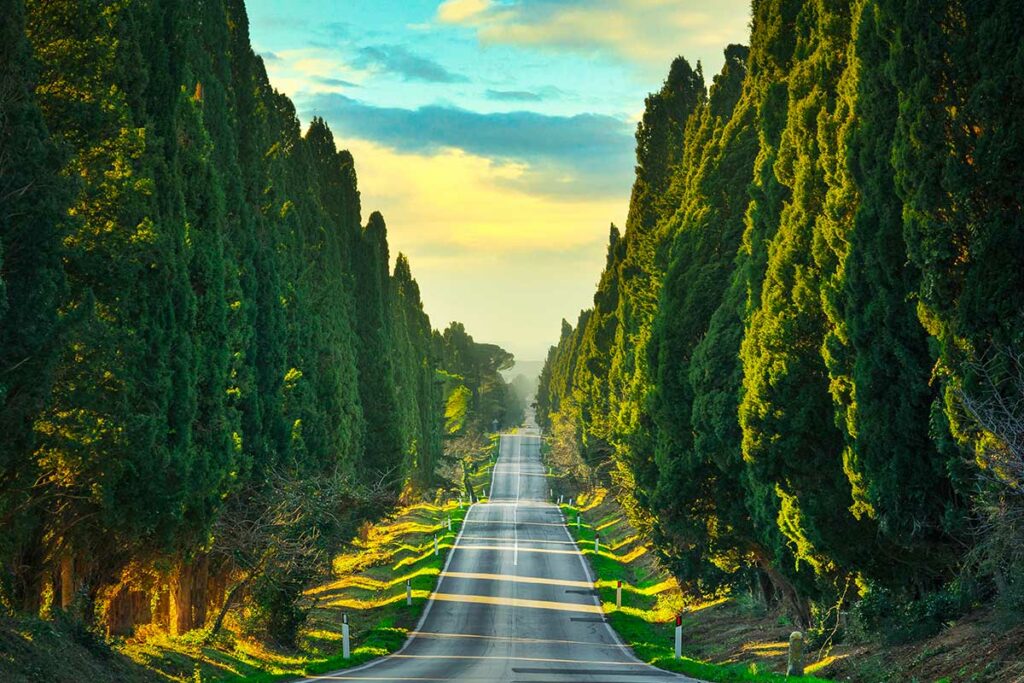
x=368, y=586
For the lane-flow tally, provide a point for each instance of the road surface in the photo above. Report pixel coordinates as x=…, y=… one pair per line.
x=515, y=601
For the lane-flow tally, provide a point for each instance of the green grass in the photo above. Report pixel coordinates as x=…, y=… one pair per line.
x=383, y=625
x=644, y=622
x=380, y=620
x=368, y=586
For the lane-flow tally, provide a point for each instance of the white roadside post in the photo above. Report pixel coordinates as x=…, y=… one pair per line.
x=597, y=543
x=408, y=592
x=460, y=502
x=346, y=648
x=436, y=549
x=679, y=637
x=577, y=520
x=618, y=596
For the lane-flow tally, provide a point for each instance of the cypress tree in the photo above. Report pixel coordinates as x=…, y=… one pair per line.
x=659, y=153
x=789, y=435
x=32, y=199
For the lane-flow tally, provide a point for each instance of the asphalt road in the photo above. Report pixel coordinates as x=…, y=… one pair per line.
x=515, y=601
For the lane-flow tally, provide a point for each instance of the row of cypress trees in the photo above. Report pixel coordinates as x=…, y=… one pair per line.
x=819, y=249
x=193, y=320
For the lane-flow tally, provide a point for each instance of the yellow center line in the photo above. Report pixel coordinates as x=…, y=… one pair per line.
x=509, y=522
x=547, y=551
x=552, y=660
x=519, y=579
x=518, y=602
x=524, y=540
x=513, y=639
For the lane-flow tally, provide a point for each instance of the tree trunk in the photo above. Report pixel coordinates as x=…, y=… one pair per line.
x=233, y=595
x=200, y=590
x=181, y=599
x=67, y=581
x=798, y=606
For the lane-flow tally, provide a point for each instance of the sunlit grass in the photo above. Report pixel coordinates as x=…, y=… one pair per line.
x=651, y=599
x=368, y=585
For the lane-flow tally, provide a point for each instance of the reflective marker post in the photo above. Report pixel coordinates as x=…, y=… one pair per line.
x=679, y=637
x=597, y=543
x=346, y=650
x=577, y=520
x=618, y=596
x=435, y=545
x=408, y=592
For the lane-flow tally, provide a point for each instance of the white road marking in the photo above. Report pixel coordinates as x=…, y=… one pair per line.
x=515, y=509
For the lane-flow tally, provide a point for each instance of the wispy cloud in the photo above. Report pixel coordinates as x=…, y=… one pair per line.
x=647, y=33
x=457, y=11
x=400, y=60
x=513, y=96
x=310, y=70
x=584, y=156
x=534, y=95
x=337, y=82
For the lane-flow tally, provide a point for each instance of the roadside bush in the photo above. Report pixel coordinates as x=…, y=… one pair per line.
x=897, y=619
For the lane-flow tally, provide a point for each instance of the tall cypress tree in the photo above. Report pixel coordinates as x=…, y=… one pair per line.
x=659, y=153
x=32, y=199
x=692, y=523
x=789, y=434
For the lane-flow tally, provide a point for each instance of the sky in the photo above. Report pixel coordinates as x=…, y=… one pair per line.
x=495, y=136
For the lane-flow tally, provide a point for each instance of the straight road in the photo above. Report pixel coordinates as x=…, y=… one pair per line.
x=515, y=601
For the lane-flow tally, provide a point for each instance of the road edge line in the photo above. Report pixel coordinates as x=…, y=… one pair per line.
x=597, y=601
x=419, y=624
x=430, y=600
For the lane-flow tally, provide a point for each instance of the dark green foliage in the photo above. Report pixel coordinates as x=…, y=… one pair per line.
x=32, y=281
x=817, y=255
x=197, y=320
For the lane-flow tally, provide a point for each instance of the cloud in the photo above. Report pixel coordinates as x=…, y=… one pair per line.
x=336, y=82
x=303, y=71
x=510, y=265
x=452, y=198
x=458, y=11
x=410, y=66
x=581, y=156
x=536, y=95
x=269, y=56
x=513, y=96
x=337, y=30
x=647, y=33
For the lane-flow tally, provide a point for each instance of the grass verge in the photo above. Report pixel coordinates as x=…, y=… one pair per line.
x=650, y=597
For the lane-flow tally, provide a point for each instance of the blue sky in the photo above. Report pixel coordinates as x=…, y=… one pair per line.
x=496, y=136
